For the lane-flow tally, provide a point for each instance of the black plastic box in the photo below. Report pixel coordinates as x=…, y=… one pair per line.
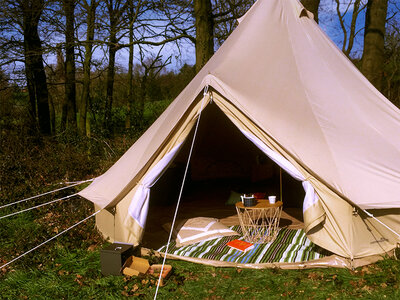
x=113, y=257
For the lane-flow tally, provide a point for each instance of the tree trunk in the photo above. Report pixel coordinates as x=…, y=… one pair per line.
x=112, y=49
x=34, y=69
x=139, y=110
x=52, y=114
x=130, y=69
x=204, y=32
x=110, y=81
x=90, y=19
x=60, y=73
x=70, y=88
x=374, y=36
x=312, y=6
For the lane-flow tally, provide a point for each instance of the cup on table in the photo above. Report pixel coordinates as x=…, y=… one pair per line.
x=272, y=199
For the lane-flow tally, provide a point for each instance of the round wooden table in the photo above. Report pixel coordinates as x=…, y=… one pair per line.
x=259, y=222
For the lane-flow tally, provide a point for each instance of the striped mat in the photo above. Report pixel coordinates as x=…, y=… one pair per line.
x=291, y=245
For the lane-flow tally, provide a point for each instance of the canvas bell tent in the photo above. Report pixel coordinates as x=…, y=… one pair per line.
x=290, y=92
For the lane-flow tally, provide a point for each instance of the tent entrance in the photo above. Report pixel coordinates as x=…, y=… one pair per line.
x=224, y=164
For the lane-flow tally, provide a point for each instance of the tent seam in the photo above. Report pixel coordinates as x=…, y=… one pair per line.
x=308, y=97
x=312, y=109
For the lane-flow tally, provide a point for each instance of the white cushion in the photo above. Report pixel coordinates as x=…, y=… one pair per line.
x=201, y=229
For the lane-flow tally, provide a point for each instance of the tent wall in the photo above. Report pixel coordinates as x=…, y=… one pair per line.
x=342, y=231
x=339, y=232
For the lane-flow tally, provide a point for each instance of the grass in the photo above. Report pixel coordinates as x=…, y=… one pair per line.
x=69, y=268
x=75, y=274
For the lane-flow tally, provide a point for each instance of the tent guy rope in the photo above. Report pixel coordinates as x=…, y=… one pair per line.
x=47, y=193
x=37, y=206
x=181, y=190
x=50, y=239
x=379, y=221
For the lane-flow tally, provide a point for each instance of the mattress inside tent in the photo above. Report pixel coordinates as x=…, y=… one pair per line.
x=290, y=246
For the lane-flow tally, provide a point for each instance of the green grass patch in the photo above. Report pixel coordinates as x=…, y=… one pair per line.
x=74, y=273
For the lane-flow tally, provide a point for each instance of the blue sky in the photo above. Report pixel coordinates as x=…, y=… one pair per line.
x=329, y=22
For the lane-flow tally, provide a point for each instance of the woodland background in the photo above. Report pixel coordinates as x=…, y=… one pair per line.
x=93, y=67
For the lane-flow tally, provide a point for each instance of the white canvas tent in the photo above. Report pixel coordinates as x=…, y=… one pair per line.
x=290, y=90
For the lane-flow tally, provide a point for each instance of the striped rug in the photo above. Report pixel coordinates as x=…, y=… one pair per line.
x=291, y=245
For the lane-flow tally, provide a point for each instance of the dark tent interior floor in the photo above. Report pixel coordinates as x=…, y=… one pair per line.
x=205, y=199
x=223, y=161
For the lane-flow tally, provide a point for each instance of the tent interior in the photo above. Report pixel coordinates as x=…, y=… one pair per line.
x=223, y=165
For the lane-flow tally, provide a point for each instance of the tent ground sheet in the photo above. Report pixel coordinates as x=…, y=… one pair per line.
x=291, y=245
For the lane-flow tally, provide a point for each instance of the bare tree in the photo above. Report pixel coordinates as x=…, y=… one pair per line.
x=391, y=86
x=354, y=7
x=69, y=105
x=374, y=37
x=30, y=12
x=226, y=15
x=204, y=22
x=115, y=11
x=313, y=7
x=142, y=22
x=133, y=13
x=89, y=9
x=151, y=68
x=213, y=21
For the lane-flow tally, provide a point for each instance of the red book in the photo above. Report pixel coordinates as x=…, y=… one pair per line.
x=240, y=245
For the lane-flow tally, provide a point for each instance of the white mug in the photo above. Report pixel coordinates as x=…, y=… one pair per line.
x=272, y=199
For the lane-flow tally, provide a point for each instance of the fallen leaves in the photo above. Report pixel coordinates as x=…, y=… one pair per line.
x=314, y=276
x=367, y=288
x=92, y=247
x=79, y=279
x=63, y=272
x=135, y=288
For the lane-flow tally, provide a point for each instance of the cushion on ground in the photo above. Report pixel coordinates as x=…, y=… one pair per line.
x=199, y=229
x=233, y=198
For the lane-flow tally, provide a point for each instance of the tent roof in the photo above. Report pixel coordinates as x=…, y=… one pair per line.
x=285, y=75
